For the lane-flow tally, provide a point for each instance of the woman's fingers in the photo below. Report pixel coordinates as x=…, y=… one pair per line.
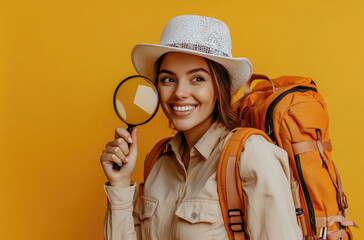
x=120, y=142
x=122, y=133
x=119, y=149
x=110, y=158
x=127, y=146
x=116, y=151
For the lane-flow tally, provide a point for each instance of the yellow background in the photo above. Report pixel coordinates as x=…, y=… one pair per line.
x=60, y=61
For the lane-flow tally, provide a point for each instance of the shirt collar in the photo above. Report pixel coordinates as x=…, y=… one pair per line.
x=205, y=145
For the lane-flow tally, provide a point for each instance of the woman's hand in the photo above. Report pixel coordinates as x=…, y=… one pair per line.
x=123, y=152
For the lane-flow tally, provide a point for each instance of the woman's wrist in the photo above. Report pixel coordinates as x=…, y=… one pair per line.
x=123, y=183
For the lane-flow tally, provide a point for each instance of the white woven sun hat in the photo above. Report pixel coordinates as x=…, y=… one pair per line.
x=203, y=36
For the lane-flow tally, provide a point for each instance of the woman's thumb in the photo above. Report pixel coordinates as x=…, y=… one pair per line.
x=133, y=146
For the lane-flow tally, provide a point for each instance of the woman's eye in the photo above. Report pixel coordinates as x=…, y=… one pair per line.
x=198, y=79
x=166, y=80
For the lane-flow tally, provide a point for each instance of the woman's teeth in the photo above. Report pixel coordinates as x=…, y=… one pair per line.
x=184, y=108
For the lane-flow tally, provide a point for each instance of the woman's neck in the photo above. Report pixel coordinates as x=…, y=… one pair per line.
x=194, y=134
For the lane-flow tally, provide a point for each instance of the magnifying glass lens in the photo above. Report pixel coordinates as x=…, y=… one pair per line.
x=136, y=100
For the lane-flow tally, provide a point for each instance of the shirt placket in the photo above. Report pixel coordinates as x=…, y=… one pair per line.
x=185, y=183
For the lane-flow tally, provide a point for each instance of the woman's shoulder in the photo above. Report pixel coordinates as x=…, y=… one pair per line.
x=259, y=145
x=261, y=157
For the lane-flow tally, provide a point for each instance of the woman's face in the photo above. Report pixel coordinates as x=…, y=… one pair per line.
x=187, y=91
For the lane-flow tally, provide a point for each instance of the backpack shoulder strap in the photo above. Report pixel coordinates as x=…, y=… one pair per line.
x=153, y=156
x=229, y=183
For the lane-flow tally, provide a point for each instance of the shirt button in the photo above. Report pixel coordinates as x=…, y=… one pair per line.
x=194, y=215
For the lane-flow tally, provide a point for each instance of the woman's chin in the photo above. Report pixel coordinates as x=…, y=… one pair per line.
x=181, y=127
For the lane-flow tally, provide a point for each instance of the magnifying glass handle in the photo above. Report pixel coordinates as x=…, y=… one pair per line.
x=115, y=166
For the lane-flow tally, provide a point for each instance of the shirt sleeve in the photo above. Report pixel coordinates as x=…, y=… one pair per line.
x=119, y=222
x=265, y=174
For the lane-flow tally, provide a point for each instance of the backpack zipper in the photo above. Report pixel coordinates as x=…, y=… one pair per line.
x=269, y=115
x=310, y=209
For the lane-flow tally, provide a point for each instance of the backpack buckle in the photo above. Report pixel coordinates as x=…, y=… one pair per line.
x=235, y=213
x=239, y=229
x=299, y=212
x=239, y=226
x=342, y=200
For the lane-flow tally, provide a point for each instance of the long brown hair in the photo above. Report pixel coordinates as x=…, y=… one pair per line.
x=223, y=110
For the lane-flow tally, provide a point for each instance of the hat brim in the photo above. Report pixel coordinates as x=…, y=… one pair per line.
x=145, y=55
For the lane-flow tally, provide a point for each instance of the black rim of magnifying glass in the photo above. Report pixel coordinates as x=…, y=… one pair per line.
x=116, y=91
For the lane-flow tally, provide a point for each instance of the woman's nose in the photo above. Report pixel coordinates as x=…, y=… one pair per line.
x=181, y=90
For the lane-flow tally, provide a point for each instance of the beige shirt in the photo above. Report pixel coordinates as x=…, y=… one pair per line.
x=184, y=204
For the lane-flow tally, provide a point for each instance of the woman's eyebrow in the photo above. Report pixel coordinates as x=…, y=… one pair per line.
x=166, y=71
x=198, y=70
x=188, y=72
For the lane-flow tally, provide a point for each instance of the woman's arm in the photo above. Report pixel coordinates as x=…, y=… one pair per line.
x=265, y=174
x=119, y=222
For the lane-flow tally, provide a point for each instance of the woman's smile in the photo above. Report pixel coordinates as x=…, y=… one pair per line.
x=181, y=110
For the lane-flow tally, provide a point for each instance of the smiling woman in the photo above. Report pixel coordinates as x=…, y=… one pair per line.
x=188, y=94
x=195, y=75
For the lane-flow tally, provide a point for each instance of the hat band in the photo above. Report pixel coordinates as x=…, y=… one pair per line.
x=199, y=48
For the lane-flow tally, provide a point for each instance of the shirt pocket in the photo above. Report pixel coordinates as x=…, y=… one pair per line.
x=145, y=209
x=197, y=219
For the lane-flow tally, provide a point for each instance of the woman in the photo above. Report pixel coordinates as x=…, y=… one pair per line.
x=195, y=74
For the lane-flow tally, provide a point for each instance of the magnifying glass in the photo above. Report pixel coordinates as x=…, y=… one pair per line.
x=136, y=101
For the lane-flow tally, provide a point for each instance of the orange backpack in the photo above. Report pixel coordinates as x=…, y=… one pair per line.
x=294, y=115
x=228, y=179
